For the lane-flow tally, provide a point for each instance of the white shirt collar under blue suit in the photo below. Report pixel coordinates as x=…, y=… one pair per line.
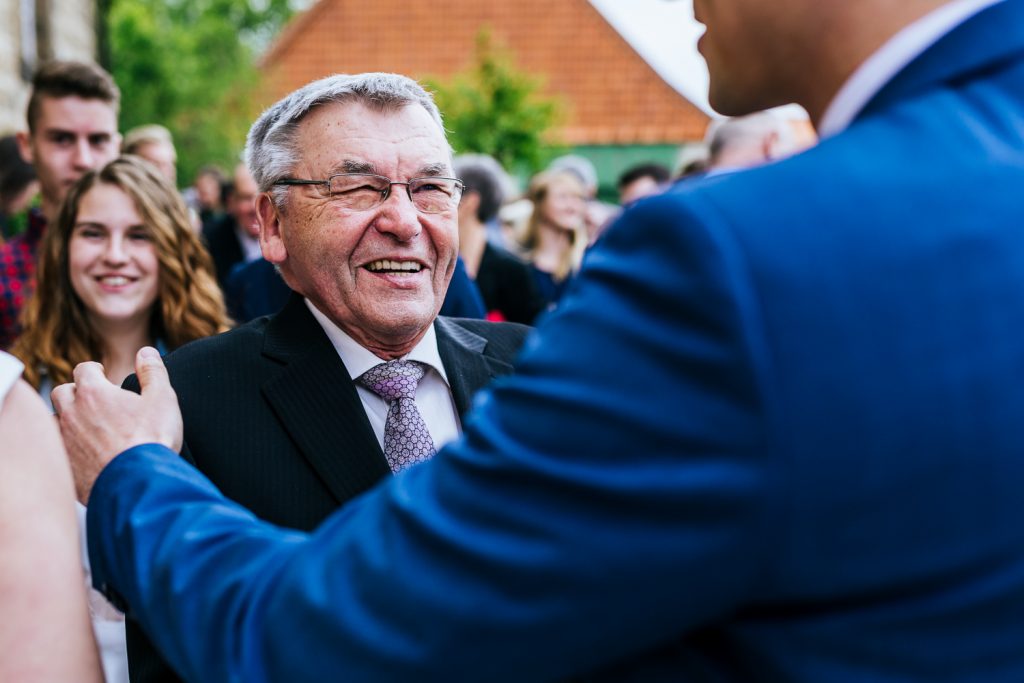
x=878, y=69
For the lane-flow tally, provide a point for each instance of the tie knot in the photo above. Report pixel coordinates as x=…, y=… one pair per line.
x=393, y=380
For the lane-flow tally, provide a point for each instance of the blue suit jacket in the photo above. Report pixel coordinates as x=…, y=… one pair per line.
x=253, y=289
x=774, y=432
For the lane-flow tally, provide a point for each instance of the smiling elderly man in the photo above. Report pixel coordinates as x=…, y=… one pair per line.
x=358, y=210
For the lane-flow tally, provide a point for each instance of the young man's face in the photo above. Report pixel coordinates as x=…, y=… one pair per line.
x=71, y=136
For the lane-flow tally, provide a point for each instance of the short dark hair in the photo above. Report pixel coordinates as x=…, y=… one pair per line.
x=659, y=173
x=482, y=174
x=56, y=79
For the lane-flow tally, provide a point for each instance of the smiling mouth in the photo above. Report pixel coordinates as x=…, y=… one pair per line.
x=114, y=280
x=394, y=267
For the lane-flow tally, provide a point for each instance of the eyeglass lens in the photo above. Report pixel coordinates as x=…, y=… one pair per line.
x=359, y=192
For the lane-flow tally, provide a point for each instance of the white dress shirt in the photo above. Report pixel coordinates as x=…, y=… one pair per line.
x=878, y=69
x=433, y=395
x=107, y=621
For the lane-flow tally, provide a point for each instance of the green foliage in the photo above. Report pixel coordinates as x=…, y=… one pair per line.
x=189, y=65
x=495, y=109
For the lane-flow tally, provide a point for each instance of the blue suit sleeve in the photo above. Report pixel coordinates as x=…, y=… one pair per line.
x=607, y=499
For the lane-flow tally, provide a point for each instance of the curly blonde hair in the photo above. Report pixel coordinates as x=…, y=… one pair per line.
x=57, y=333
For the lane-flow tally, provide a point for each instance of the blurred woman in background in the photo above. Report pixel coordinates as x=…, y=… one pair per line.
x=120, y=270
x=555, y=237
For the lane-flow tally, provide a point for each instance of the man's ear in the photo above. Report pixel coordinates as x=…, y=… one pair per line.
x=269, y=218
x=25, y=146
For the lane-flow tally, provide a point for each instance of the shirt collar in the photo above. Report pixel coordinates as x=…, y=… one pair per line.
x=358, y=359
x=878, y=69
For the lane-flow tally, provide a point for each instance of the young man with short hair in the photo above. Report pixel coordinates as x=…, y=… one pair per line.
x=72, y=129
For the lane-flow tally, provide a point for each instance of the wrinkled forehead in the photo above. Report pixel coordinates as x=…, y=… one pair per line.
x=351, y=137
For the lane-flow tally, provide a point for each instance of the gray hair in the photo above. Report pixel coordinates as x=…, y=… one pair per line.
x=271, y=149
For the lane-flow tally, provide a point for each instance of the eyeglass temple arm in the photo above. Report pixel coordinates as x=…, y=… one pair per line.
x=296, y=181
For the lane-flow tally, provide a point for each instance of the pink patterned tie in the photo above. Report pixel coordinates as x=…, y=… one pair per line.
x=406, y=439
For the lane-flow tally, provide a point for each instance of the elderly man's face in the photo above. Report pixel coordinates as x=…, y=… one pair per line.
x=380, y=274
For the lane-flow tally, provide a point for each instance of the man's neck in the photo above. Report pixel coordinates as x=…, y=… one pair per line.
x=893, y=56
x=50, y=209
x=358, y=356
x=856, y=31
x=391, y=348
x=121, y=341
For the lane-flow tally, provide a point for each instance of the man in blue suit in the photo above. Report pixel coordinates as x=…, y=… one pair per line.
x=773, y=433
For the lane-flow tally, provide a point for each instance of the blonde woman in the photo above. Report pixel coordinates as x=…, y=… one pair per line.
x=554, y=237
x=120, y=269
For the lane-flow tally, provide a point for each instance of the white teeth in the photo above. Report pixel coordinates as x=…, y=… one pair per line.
x=396, y=266
x=114, y=280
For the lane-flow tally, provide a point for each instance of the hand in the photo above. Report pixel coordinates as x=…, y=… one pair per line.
x=99, y=420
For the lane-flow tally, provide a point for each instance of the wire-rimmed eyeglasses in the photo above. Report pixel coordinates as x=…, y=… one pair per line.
x=363, y=191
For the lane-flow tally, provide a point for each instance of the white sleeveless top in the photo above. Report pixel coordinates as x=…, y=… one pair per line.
x=10, y=371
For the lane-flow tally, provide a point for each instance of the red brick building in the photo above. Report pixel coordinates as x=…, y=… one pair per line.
x=619, y=110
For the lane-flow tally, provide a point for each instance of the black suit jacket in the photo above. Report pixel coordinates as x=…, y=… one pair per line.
x=507, y=286
x=273, y=419
x=221, y=241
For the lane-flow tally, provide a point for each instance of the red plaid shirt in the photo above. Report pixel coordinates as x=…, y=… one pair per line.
x=18, y=275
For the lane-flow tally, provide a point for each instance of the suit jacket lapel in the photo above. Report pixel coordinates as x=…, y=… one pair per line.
x=317, y=404
x=468, y=369
x=993, y=36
